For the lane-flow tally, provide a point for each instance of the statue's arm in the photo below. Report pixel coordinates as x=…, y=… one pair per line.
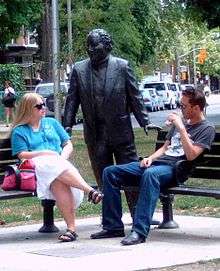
x=135, y=99
x=72, y=101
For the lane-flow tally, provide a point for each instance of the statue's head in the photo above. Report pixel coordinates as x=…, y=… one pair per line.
x=99, y=45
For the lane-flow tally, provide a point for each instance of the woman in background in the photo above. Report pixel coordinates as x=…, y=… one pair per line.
x=9, y=103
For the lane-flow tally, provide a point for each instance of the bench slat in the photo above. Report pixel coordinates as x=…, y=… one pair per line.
x=5, y=143
x=5, y=155
x=195, y=191
x=217, y=137
x=206, y=173
x=214, y=150
x=212, y=162
x=15, y=194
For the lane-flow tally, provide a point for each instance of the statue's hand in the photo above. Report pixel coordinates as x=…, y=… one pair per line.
x=151, y=126
x=68, y=130
x=146, y=129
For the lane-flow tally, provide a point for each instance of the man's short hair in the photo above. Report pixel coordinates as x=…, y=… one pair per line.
x=196, y=97
x=104, y=37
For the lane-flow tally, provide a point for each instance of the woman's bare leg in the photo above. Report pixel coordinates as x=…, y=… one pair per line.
x=64, y=202
x=11, y=114
x=7, y=114
x=72, y=177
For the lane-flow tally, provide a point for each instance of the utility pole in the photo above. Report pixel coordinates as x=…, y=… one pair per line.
x=56, y=62
x=70, y=38
x=194, y=67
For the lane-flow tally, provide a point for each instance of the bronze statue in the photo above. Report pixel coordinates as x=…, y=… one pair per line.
x=106, y=88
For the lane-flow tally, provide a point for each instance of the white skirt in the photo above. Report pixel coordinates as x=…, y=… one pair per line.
x=47, y=169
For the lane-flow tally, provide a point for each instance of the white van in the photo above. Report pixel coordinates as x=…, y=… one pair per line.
x=164, y=90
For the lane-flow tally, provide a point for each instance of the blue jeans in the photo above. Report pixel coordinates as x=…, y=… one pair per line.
x=150, y=180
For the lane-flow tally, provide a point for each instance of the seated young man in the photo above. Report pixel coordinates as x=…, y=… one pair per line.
x=187, y=139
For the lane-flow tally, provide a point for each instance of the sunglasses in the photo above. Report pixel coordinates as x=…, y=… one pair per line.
x=39, y=106
x=182, y=106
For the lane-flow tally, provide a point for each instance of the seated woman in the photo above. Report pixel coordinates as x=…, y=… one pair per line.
x=44, y=140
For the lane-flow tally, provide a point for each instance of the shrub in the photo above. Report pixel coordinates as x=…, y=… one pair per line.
x=12, y=73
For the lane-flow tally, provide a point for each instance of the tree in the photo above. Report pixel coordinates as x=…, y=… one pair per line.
x=115, y=16
x=45, y=41
x=146, y=14
x=14, y=14
x=211, y=42
x=209, y=10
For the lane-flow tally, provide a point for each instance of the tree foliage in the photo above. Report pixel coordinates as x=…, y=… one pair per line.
x=14, y=14
x=149, y=33
x=12, y=73
x=209, y=10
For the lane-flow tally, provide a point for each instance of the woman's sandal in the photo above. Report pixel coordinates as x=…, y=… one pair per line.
x=68, y=236
x=95, y=196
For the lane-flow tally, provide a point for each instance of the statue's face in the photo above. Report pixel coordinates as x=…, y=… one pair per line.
x=96, y=49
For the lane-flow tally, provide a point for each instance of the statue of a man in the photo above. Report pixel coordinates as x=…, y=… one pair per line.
x=106, y=88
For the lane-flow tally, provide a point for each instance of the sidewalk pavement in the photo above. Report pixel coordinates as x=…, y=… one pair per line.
x=23, y=248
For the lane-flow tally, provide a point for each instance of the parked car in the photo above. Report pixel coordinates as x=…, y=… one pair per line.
x=47, y=91
x=164, y=90
x=186, y=86
x=177, y=91
x=150, y=98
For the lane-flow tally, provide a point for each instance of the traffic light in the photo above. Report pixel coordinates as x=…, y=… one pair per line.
x=202, y=56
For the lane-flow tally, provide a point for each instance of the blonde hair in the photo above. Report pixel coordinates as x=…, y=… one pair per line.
x=25, y=108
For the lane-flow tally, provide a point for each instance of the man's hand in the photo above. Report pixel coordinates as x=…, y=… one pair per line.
x=69, y=131
x=146, y=162
x=175, y=119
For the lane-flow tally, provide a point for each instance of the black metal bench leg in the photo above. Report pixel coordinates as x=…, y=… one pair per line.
x=48, y=216
x=168, y=222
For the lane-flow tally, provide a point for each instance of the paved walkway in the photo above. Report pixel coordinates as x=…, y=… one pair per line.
x=23, y=248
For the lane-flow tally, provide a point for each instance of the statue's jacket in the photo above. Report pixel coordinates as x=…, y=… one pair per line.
x=121, y=98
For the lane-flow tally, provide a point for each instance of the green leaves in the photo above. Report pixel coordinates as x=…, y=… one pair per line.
x=14, y=14
x=12, y=73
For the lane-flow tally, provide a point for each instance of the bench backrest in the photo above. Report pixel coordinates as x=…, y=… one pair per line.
x=6, y=157
x=209, y=164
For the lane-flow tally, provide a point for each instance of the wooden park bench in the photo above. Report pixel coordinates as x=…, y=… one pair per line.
x=6, y=158
x=207, y=167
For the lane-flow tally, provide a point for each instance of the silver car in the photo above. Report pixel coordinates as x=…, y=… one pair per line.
x=47, y=91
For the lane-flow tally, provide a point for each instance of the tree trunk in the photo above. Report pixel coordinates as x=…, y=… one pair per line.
x=46, y=42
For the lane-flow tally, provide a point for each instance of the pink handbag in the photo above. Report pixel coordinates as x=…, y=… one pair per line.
x=11, y=178
x=20, y=177
x=28, y=180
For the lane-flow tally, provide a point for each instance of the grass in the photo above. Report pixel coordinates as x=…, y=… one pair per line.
x=29, y=209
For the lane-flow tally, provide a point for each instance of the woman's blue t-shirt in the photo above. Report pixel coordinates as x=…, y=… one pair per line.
x=50, y=136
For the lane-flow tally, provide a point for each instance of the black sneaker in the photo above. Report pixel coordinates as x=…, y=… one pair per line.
x=107, y=234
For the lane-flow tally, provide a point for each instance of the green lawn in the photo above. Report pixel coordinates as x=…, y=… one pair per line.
x=29, y=209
